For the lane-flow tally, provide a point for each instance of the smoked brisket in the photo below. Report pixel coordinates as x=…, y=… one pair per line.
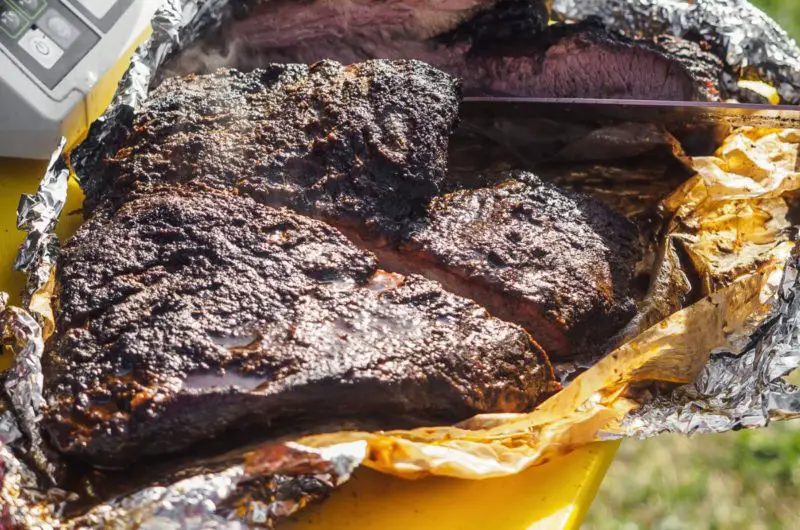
x=190, y=313
x=364, y=148
x=232, y=273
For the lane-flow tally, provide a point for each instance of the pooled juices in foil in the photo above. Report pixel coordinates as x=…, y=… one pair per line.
x=713, y=336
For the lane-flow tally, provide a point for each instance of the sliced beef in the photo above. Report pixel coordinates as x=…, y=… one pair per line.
x=558, y=263
x=364, y=150
x=495, y=48
x=203, y=311
x=588, y=61
x=750, y=43
x=367, y=141
x=349, y=31
x=357, y=30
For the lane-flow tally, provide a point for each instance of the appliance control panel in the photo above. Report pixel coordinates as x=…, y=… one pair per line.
x=52, y=54
x=49, y=37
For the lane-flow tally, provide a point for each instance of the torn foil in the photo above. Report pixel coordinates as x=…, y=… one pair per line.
x=270, y=484
x=23, y=496
x=718, y=359
x=749, y=42
x=734, y=390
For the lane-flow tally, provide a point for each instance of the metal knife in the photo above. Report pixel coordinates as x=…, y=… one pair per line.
x=671, y=114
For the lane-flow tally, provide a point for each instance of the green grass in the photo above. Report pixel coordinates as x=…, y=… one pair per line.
x=786, y=12
x=737, y=480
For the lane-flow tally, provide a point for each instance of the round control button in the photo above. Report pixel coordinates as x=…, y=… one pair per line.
x=41, y=47
x=11, y=18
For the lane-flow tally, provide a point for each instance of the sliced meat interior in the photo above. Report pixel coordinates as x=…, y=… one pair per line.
x=349, y=31
x=204, y=311
x=558, y=263
x=588, y=61
x=495, y=48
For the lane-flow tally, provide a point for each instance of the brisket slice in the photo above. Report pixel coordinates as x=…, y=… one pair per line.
x=588, y=61
x=190, y=313
x=558, y=263
x=366, y=142
x=495, y=48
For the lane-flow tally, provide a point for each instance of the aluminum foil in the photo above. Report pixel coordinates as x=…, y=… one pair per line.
x=735, y=390
x=288, y=477
x=721, y=358
x=23, y=494
x=747, y=40
x=37, y=215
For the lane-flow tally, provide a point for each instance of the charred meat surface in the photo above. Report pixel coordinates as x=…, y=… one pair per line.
x=365, y=143
x=204, y=311
x=556, y=262
x=495, y=48
x=364, y=148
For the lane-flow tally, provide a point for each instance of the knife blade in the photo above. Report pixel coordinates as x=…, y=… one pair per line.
x=672, y=114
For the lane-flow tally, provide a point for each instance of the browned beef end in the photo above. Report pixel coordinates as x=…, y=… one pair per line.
x=558, y=263
x=189, y=313
x=366, y=142
x=495, y=48
x=588, y=61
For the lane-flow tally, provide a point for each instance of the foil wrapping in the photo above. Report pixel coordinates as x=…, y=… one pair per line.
x=735, y=390
x=37, y=215
x=751, y=44
x=269, y=484
x=23, y=492
x=708, y=362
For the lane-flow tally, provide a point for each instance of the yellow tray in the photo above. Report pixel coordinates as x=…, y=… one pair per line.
x=555, y=496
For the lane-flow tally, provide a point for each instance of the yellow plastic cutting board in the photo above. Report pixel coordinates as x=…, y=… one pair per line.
x=555, y=496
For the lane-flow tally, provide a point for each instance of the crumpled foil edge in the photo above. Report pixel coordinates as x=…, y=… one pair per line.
x=209, y=500
x=737, y=390
x=37, y=215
